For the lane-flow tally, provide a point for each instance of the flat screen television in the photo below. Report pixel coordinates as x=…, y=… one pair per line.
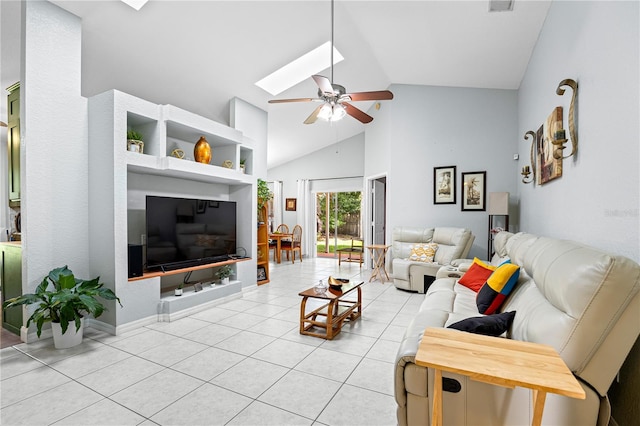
x=183, y=232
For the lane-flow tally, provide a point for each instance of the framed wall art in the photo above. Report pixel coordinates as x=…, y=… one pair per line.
x=444, y=185
x=547, y=166
x=474, y=191
x=290, y=205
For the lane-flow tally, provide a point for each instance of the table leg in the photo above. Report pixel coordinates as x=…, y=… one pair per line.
x=539, y=397
x=278, y=247
x=436, y=414
x=376, y=266
x=302, y=313
x=329, y=324
x=383, y=266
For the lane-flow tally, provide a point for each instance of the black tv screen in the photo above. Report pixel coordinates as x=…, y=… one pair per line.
x=184, y=232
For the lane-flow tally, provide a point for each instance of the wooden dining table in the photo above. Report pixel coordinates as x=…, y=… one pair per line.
x=279, y=236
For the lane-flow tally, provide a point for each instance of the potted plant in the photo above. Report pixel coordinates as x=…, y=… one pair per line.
x=264, y=195
x=178, y=290
x=224, y=272
x=243, y=162
x=67, y=302
x=134, y=141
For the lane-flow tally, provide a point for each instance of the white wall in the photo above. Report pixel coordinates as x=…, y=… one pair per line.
x=597, y=199
x=340, y=160
x=54, y=171
x=426, y=127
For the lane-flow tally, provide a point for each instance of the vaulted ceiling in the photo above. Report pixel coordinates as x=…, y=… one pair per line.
x=200, y=54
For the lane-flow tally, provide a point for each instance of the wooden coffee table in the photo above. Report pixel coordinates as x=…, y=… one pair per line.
x=335, y=311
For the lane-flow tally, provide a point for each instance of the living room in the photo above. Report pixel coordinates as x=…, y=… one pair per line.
x=594, y=43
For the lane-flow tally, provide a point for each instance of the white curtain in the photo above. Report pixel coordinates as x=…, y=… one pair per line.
x=306, y=217
x=277, y=204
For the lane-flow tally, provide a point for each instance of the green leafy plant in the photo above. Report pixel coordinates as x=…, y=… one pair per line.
x=133, y=135
x=264, y=195
x=70, y=300
x=243, y=161
x=224, y=271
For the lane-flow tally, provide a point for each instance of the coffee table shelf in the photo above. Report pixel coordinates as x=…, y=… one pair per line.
x=331, y=315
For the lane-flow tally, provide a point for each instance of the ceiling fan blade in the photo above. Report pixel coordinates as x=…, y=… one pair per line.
x=323, y=83
x=357, y=113
x=314, y=115
x=280, y=101
x=380, y=95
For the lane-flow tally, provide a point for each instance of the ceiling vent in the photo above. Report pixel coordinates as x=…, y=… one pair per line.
x=500, y=5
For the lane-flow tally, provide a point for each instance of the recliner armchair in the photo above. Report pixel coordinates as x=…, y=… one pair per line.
x=453, y=243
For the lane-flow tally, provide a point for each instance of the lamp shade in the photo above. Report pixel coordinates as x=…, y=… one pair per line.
x=498, y=203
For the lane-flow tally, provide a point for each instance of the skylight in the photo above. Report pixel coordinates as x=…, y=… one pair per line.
x=136, y=4
x=299, y=69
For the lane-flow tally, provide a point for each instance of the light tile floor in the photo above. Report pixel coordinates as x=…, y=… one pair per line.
x=243, y=362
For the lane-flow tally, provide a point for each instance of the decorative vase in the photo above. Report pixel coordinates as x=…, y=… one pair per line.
x=135, y=145
x=69, y=339
x=202, y=151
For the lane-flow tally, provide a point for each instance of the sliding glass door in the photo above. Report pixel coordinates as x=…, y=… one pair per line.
x=338, y=221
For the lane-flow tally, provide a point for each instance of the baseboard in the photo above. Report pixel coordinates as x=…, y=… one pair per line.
x=32, y=337
x=173, y=316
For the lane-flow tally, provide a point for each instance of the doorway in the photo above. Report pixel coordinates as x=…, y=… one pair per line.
x=339, y=220
x=378, y=210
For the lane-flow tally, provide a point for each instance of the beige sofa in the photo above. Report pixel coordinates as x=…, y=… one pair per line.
x=583, y=302
x=453, y=243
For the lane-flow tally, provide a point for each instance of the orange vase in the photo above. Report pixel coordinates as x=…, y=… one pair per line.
x=202, y=151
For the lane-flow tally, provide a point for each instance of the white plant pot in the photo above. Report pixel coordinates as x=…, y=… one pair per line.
x=224, y=280
x=69, y=339
x=177, y=292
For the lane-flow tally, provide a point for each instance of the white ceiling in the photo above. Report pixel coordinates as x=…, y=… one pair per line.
x=200, y=54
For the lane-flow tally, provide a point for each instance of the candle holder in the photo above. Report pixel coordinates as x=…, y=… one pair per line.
x=529, y=172
x=560, y=137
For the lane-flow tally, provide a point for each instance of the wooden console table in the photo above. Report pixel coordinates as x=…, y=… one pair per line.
x=497, y=361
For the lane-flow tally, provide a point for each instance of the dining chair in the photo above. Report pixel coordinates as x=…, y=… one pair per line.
x=273, y=244
x=294, y=245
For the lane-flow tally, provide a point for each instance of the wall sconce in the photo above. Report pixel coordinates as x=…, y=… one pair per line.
x=560, y=137
x=530, y=170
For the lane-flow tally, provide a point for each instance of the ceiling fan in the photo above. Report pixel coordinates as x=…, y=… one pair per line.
x=334, y=97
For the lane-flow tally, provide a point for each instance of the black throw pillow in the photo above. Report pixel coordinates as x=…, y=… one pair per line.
x=489, y=325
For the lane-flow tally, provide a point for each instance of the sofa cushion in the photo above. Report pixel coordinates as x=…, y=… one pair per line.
x=452, y=243
x=476, y=275
x=497, y=288
x=423, y=252
x=489, y=325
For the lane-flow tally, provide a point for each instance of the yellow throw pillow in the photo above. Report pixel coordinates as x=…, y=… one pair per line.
x=423, y=252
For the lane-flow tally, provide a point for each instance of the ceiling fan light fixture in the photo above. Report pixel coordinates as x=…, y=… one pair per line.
x=338, y=113
x=330, y=112
x=325, y=112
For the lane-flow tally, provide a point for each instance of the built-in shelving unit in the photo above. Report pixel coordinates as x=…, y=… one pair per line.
x=121, y=179
x=263, y=249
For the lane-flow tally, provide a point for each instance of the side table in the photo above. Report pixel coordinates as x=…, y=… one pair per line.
x=505, y=362
x=378, y=254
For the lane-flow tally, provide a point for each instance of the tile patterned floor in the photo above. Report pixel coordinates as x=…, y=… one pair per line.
x=239, y=363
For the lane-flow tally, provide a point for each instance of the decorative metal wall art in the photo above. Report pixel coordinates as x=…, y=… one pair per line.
x=549, y=141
